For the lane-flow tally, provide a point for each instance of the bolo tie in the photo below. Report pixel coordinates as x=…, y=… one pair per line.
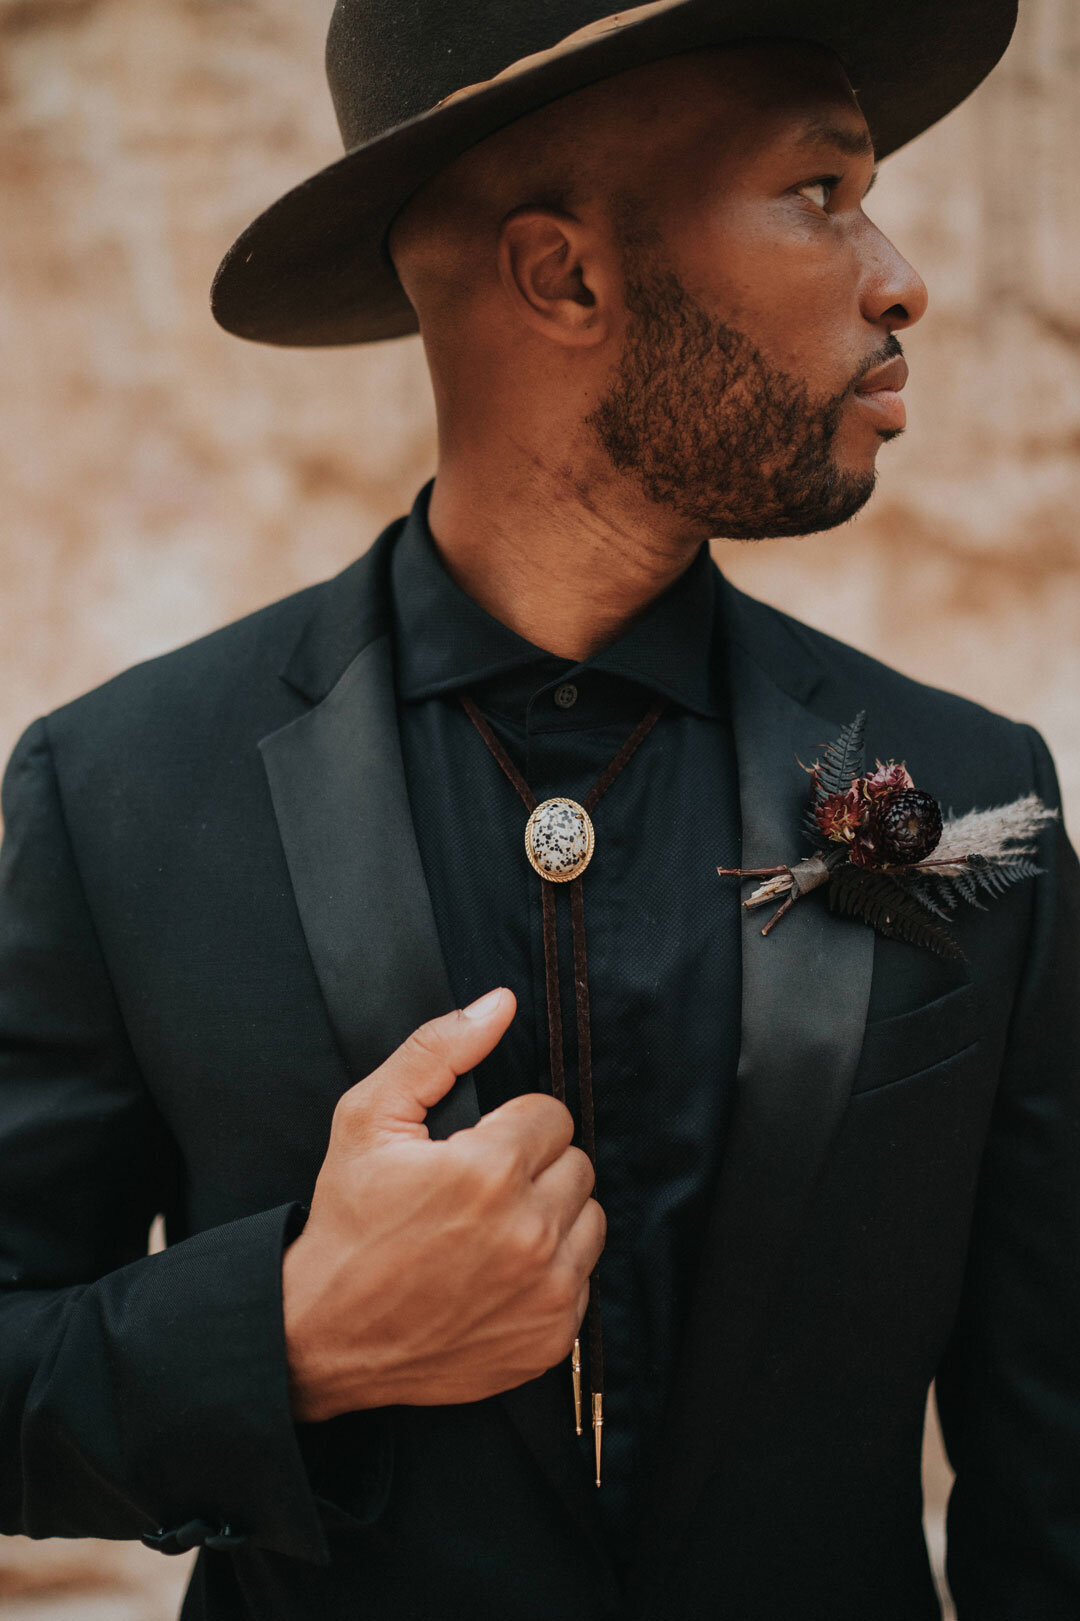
x=559, y=842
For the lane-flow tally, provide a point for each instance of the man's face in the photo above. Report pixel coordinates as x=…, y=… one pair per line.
x=759, y=368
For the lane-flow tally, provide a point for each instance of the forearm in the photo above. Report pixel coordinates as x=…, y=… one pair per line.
x=157, y=1396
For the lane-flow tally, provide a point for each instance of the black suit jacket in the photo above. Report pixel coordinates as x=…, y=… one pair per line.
x=213, y=920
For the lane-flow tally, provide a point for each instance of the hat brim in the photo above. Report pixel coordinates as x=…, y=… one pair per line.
x=313, y=269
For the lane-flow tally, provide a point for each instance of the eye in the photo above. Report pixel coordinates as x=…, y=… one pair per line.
x=819, y=191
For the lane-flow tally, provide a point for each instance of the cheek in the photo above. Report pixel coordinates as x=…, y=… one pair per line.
x=791, y=288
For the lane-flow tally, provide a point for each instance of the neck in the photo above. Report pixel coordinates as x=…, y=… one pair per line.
x=567, y=568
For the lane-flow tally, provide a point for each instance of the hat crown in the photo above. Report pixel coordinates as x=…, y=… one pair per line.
x=388, y=61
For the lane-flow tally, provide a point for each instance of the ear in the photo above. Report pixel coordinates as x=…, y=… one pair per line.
x=559, y=275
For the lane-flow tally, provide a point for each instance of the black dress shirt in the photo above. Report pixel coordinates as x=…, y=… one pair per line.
x=662, y=930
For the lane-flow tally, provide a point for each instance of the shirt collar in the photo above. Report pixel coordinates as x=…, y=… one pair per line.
x=446, y=641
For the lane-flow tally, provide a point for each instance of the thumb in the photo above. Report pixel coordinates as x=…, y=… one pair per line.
x=393, y=1099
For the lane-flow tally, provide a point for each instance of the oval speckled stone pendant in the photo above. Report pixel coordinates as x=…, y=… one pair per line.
x=559, y=839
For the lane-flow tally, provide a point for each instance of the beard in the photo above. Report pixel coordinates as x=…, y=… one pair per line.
x=710, y=430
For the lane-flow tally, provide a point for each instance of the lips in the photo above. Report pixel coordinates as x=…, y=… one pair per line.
x=879, y=393
x=888, y=379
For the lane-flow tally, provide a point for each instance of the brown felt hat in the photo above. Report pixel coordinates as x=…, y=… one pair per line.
x=417, y=82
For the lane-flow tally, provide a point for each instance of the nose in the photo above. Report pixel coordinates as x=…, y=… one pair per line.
x=893, y=293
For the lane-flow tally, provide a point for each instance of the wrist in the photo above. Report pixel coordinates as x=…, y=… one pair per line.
x=326, y=1375
x=302, y=1336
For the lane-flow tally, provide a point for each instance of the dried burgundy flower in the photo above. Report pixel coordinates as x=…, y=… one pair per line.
x=885, y=778
x=839, y=816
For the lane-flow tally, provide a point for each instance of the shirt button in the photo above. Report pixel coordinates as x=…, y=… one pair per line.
x=566, y=696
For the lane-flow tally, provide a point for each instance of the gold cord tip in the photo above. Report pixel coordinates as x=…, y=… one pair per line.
x=598, y=1427
x=575, y=1373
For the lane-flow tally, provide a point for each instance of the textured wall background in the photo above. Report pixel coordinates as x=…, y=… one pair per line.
x=158, y=478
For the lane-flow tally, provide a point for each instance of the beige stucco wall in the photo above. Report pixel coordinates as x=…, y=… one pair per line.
x=158, y=478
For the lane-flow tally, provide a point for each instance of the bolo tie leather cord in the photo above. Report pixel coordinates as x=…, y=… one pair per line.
x=559, y=841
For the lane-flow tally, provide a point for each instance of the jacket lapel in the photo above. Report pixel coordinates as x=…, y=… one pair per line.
x=337, y=782
x=342, y=806
x=805, y=991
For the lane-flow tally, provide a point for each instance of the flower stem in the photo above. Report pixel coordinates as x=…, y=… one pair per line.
x=751, y=872
x=778, y=914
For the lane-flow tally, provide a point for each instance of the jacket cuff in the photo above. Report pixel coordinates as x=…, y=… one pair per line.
x=199, y=1392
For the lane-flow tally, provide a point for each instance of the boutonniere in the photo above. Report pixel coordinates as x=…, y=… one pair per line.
x=887, y=855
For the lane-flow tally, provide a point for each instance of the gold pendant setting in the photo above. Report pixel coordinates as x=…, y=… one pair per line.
x=559, y=840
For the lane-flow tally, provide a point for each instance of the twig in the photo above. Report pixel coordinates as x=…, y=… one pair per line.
x=777, y=915
x=751, y=872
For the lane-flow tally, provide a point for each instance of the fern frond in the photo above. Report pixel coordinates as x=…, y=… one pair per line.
x=1010, y=872
x=812, y=832
x=968, y=889
x=842, y=760
x=939, y=898
x=890, y=908
x=941, y=890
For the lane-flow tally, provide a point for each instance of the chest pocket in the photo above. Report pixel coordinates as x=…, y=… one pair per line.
x=910, y=1042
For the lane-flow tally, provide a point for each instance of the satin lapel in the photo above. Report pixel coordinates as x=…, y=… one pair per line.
x=338, y=786
x=805, y=991
x=342, y=806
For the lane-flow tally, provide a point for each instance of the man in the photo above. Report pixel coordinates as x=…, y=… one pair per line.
x=246, y=886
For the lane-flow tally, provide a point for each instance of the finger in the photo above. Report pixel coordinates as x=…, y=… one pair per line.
x=535, y=1125
x=565, y=1185
x=396, y=1097
x=584, y=1243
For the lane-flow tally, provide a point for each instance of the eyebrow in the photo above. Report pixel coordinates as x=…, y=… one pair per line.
x=855, y=142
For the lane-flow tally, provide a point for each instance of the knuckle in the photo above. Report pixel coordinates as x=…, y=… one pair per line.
x=523, y=1104
x=562, y=1289
x=501, y=1172
x=426, y=1045
x=350, y=1111
x=550, y=1239
x=512, y=1163
x=493, y=1171
x=533, y=1240
x=584, y=1167
x=562, y=1117
x=541, y=1107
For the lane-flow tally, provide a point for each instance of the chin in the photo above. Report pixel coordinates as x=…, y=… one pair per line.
x=858, y=456
x=835, y=500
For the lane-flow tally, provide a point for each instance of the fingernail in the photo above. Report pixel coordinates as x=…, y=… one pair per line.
x=484, y=1005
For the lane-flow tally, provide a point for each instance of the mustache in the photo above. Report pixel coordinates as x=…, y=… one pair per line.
x=888, y=350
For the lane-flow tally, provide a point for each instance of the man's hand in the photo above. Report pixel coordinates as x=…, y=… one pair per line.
x=438, y=1272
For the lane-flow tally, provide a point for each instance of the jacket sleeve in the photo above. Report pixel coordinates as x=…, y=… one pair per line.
x=140, y=1395
x=1009, y=1387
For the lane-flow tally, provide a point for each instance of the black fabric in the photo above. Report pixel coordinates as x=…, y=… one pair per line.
x=663, y=935
x=197, y=957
